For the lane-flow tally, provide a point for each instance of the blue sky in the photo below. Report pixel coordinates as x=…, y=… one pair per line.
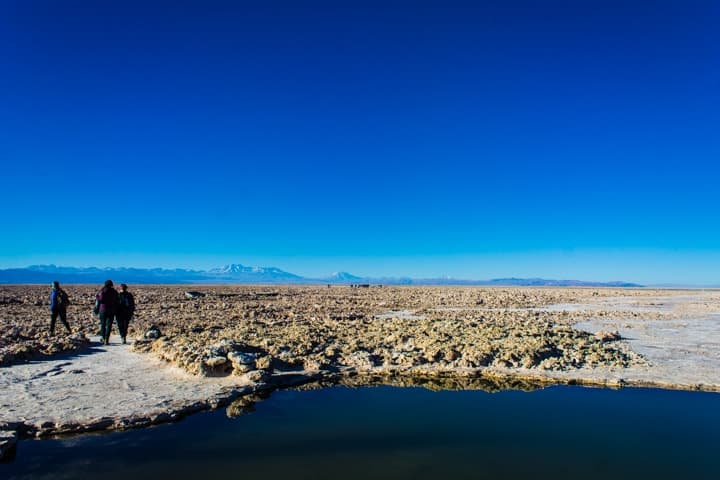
x=475, y=140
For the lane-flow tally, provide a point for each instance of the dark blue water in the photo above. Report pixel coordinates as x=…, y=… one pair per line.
x=387, y=432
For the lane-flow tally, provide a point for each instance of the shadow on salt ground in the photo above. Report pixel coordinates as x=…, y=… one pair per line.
x=92, y=349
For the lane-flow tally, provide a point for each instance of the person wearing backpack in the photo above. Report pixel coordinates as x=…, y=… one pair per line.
x=126, y=308
x=59, y=301
x=106, y=301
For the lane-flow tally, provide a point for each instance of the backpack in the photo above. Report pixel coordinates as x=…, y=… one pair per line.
x=127, y=302
x=62, y=299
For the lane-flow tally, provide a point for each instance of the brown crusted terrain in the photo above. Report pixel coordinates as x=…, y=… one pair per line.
x=236, y=344
x=338, y=328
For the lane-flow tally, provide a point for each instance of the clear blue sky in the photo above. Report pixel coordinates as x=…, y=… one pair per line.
x=480, y=139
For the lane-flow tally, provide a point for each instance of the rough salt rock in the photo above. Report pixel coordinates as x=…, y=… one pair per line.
x=213, y=362
x=361, y=359
x=257, y=376
x=217, y=351
x=8, y=443
x=153, y=332
x=322, y=329
x=605, y=336
x=242, y=369
x=313, y=364
x=242, y=358
x=264, y=362
x=242, y=362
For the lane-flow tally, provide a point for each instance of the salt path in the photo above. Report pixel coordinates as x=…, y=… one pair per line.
x=101, y=386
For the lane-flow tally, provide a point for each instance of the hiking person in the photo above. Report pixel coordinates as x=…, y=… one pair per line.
x=125, y=310
x=106, y=301
x=59, y=302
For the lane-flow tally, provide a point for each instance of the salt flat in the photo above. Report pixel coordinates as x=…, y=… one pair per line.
x=670, y=339
x=682, y=348
x=98, y=386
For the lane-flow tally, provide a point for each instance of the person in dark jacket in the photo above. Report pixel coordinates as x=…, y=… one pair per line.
x=126, y=308
x=107, y=302
x=59, y=302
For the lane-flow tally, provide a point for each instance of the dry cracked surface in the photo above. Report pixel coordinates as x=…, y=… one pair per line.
x=102, y=387
x=251, y=336
x=317, y=328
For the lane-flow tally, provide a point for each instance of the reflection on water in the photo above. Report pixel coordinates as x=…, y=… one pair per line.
x=388, y=432
x=434, y=382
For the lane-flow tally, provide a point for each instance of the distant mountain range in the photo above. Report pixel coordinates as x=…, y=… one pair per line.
x=236, y=273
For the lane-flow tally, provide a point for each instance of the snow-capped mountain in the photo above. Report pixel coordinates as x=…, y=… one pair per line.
x=239, y=272
x=344, y=277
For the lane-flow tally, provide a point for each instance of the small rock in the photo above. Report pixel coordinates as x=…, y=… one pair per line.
x=605, y=336
x=257, y=376
x=213, y=362
x=160, y=418
x=264, y=362
x=153, y=332
x=217, y=351
x=242, y=358
x=8, y=444
x=242, y=362
x=313, y=364
x=241, y=369
x=194, y=294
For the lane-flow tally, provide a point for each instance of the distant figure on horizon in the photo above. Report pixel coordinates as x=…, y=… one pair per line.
x=59, y=302
x=125, y=310
x=106, y=302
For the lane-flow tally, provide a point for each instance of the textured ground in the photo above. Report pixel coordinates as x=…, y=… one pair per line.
x=323, y=328
x=239, y=339
x=681, y=347
x=102, y=387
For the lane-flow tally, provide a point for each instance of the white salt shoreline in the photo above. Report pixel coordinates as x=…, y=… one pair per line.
x=100, y=385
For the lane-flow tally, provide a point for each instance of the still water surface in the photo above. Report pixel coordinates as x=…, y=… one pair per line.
x=389, y=432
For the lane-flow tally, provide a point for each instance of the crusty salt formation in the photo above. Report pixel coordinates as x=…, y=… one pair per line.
x=321, y=328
